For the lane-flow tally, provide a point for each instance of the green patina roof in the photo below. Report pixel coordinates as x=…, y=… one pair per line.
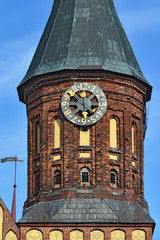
x=84, y=34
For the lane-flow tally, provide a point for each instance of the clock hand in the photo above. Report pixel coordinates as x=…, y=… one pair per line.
x=71, y=93
x=85, y=114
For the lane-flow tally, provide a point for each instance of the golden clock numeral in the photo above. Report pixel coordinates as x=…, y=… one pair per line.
x=67, y=112
x=102, y=104
x=65, y=103
x=93, y=119
x=66, y=96
x=100, y=112
x=83, y=121
x=84, y=86
x=73, y=120
x=74, y=88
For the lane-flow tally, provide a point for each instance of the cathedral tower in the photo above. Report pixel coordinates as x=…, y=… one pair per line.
x=86, y=97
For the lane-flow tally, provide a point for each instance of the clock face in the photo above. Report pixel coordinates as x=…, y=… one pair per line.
x=83, y=104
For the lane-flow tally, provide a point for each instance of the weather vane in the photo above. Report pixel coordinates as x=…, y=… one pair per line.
x=13, y=159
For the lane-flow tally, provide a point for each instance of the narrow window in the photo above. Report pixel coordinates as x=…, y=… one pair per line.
x=57, y=133
x=37, y=181
x=134, y=185
x=84, y=136
x=85, y=175
x=57, y=177
x=37, y=138
x=133, y=139
x=113, y=133
x=113, y=178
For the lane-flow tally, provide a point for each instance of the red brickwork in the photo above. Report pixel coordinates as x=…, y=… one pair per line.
x=126, y=99
x=8, y=221
x=86, y=229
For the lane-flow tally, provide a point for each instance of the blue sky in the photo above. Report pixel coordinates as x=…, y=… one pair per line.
x=21, y=26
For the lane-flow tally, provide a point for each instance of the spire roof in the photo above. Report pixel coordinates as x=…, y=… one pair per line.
x=84, y=35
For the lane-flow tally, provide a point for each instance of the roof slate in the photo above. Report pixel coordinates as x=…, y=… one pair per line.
x=84, y=35
x=86, y=211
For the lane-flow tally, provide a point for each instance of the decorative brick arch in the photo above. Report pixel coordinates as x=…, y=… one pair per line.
x=117, y=235
x=138, y=235
x=55, y=235
x=11, y=236
x=76, y=235
x=34, y=235
x=97, y=235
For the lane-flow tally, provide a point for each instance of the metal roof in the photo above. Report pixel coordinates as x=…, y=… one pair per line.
x=86, y=211
x=84, y=35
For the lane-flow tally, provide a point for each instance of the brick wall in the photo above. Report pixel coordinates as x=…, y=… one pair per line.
x=126, y=99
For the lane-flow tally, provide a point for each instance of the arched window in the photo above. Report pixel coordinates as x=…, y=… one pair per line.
x=57, y=133
x=55, y=235
x=76, y=235
x=11, y=235
x=113, y=133
x=113, y=178
x=57, y=177
x=1, y=222
x=37, y=138
x=34, y=235
x=85, y=175
x=97, y=235
x=138, y=235
x=117, y=235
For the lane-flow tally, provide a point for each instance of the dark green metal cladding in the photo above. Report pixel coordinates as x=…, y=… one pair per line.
x=84, y=34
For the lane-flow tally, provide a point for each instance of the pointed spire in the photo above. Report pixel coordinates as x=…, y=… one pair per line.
x=84, y=35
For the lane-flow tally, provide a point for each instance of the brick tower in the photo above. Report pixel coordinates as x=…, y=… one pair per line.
x=85, y=96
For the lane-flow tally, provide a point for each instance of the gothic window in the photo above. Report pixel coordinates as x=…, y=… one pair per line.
x=134, y=185
x=113, y=133
x=1, y=222
x=84, y=136
x=37, y=138
x=134, y=140
x=57, y=133
x=113, y=178
x=138, y=235
x=76, y=235
x=34, y=235
x=11, y=236
x=57, y=177
x=97, y=235
x=85, y=175
x=117, y=235
x=55, y=235
x=37, y=181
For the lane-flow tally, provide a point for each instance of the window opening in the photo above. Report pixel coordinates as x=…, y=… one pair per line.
x=57, y=177
x=85, y=175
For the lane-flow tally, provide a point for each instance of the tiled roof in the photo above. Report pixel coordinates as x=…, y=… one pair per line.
x=86, y=211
